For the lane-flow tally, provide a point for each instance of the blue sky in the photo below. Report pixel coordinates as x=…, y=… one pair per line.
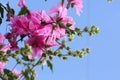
x=103, y=61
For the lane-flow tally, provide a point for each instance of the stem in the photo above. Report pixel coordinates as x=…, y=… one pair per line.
x=14, y=66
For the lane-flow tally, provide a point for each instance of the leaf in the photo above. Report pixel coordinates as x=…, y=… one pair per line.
x=10, y=75
x=23, y=11
x=8, y=6
x=1, y=11
x=49, y=64
x=6, y=71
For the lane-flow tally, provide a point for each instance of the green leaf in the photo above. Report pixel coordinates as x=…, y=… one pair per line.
x=10, y=75
x=6, y=71
x=49, y=64
x=23, y=11
x=1, y=11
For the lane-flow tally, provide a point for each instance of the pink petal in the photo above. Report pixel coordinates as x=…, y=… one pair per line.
x=21, y=3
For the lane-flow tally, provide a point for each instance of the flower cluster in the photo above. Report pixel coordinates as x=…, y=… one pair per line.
x=40, y=31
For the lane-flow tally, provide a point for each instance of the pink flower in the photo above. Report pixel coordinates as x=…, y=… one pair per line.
x=17, y=73
x=29, y=24
x=21, y=3
x=2, y=65
x=19, y=25
x=78, y=5
x=61, y=10
x=37, y=43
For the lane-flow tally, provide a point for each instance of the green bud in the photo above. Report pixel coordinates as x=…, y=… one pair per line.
x=72, y=31
x=93, y=28
x=29, y=50
x=14, y=56
x=50, y=52
x=68, y=25
x=78, y=51
x=57, y=52
x=79, y=34
x=61, y=25
x=17, y=52
x=59, y=55
x=90, y=34
x=77, y=30
x=70, y=53
x=26, y=53
x=80, y=56
x=74, y=55
x=83, y=49
x=5, y=59
x=65, y=58
x=27, y=46
x=70, y=39
x=97, y=31
x=51, y=57
x=68, y=48
x=86, y=29
x=22, y=49
x=88, y=50
x=44, y=55
x=41, y=62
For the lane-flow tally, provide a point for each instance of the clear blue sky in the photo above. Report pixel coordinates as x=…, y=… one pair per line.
x=104, y=61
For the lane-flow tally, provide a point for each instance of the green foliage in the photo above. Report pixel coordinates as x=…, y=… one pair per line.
x=49, y=64
x=23, y=11
x=1, y=13
x=8, y=75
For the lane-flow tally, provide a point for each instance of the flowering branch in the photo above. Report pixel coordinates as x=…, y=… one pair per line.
x=44, y=36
